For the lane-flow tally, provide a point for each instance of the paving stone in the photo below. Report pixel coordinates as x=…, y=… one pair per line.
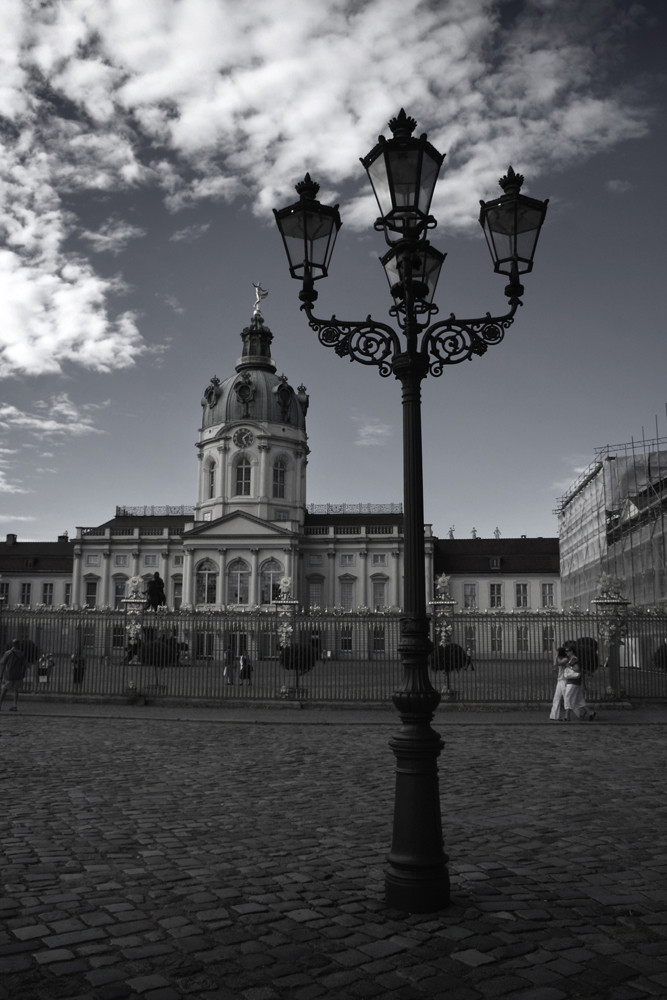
x=263, y=889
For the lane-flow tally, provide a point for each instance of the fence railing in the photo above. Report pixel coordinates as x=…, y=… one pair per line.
x=348, y=657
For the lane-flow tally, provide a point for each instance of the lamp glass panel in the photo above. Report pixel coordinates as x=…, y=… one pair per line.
x=512, y=227
x=429, y=176
x=308, y=237
x=377, y=172
x=404, y=167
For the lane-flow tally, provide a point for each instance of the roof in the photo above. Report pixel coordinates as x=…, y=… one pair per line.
x=37, y=557
x=349, y=519
x=478, y=556
x=172, y=521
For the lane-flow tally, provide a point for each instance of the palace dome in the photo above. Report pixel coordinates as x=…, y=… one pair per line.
x=255, y=392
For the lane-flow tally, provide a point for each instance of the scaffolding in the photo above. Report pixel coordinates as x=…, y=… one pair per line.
x=613, y=520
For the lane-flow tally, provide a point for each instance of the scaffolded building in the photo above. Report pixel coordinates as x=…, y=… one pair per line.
x=613, y=520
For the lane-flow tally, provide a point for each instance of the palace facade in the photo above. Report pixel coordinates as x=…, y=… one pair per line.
x=251, y=527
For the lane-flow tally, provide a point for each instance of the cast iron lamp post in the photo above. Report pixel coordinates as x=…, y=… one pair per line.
x=403, y=172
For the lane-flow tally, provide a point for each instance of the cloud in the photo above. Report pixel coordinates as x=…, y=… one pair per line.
x=618, y=186
x=54, y=418
x=221, y=100
x=113, y=236
x=174, y=304
x=6, y=486
x=190, y=233
x=371, y=433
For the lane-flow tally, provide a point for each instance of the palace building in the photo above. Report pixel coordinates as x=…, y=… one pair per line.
x=251, y=526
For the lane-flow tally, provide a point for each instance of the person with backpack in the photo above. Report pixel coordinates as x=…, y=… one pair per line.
x=574, y=701
x=12, y=669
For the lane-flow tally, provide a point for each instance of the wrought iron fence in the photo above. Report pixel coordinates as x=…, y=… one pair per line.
x=478, y=657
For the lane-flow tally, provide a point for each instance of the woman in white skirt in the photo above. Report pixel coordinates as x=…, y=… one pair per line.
x=574, y=700
x=560, y=664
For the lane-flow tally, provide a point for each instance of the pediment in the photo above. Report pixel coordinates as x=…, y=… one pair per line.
x=238, y=524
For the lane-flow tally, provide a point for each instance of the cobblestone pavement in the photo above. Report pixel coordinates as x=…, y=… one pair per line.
x=168, y=858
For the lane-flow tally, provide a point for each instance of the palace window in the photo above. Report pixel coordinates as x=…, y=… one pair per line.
x=26, y=593
x=315, y=593
x=238, y=582
x=469, y=595
x=47, y=594
x=346, y=639
x=243, y=478
x=347, y=594
x=379, y=598
x=272, y=571
x=495, y=595
x=206, y=582
x=548, y=639
x=211, y=480
x=279, y=470
x=91, y=593
x=547, y=595
x=521, y=595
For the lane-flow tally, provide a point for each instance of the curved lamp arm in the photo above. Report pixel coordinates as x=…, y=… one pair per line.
x=366, y=341
x=454, y=340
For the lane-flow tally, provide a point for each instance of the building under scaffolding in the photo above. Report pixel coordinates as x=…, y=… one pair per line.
x=613, y=520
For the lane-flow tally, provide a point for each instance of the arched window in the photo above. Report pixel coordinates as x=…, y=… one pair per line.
x=279, y=471
x=272, y=571
x=206, y=582
x=243, y=478
x=210, y=480
x=238, y=582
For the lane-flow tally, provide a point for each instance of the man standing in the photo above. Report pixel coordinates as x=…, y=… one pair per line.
x=12, y=668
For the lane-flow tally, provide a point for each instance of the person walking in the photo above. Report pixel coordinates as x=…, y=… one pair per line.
x=469, y=662
x=245, y=669
x=574, y=700
x=12, y=670
x=558, y=707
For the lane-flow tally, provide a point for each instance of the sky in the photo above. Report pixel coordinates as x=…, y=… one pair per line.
x=143, y=149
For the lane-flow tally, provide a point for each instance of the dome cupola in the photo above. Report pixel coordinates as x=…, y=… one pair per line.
x=255, y=392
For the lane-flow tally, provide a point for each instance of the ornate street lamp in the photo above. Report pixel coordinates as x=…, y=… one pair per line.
x=403, y=171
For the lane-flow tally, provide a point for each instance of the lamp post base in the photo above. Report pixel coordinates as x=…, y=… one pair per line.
x=426, y=893
x=416, y=878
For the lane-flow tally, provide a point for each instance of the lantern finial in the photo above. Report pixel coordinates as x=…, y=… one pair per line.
x=403, y=125
x=307, y=188
x=511, y=182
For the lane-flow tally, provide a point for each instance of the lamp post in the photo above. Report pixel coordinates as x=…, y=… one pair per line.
x=403, y=172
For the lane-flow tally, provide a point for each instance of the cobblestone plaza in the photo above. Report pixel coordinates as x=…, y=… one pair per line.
x=167, y=853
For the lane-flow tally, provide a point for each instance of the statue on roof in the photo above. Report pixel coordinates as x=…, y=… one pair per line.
x=260, y=293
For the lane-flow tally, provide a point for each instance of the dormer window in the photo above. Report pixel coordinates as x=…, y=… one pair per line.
x=494, y=562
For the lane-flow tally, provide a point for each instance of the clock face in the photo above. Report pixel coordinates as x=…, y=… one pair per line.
x=243, y=437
